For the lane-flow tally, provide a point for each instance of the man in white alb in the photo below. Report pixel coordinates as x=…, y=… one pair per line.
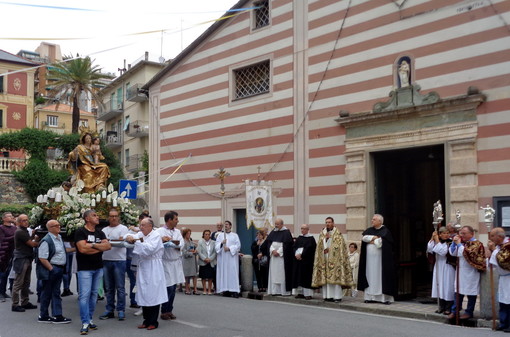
x=172, y=261
x=227, y=272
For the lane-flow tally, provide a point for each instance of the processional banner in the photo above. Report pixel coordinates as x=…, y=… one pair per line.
x=259, y=204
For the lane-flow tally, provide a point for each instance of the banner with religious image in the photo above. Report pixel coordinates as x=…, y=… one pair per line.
x=259, y=204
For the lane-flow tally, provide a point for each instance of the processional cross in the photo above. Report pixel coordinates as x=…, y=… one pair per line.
x=221, y=174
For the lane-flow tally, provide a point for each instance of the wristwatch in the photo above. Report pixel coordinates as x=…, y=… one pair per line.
x=93, y=244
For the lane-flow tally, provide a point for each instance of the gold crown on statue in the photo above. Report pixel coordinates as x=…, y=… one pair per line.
x=85, y=129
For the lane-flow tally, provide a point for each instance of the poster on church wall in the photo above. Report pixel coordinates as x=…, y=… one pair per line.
x=259, y=204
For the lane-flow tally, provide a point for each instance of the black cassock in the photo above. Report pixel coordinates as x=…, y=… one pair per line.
x=303, y=269
x=285, y=237
x=388, y=263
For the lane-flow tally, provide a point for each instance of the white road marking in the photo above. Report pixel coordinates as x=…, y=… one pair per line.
x=198, y=326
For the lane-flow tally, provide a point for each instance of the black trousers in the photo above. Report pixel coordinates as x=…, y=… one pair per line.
x=150, y=315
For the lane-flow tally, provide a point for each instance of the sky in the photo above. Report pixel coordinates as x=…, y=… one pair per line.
x=109, y=31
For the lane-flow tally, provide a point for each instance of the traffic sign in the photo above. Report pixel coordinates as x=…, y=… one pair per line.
x=128, y=186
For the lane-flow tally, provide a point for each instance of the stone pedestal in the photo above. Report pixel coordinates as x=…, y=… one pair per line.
x=246, y=273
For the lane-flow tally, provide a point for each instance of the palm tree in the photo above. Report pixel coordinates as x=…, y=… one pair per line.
x=72, y=77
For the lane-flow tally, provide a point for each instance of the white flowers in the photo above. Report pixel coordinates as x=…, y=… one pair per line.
x=74, y=203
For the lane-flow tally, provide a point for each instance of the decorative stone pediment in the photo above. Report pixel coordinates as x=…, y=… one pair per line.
x=406, y=97
x=411, y=121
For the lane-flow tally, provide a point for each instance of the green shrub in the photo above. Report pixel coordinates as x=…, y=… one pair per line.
x=38, y=178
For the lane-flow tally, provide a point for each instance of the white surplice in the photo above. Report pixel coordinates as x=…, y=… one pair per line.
x=276, y=277
x=504, y=277
x=469, y=276
x=444, y=274
x=172, y=260
x=374, y=271
x=150, y=275
x=227, y=266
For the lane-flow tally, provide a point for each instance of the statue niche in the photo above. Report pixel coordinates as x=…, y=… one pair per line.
x=407, y=93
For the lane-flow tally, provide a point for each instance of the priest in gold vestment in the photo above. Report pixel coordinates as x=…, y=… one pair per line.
x=83, y=166
x=331, y=269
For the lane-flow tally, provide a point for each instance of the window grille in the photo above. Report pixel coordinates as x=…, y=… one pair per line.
x=261, y=14
x=252, y=80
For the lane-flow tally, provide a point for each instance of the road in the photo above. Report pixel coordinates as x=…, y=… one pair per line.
x=208, y=316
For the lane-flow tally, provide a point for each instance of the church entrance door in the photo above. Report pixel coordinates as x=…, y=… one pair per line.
x=407, y=183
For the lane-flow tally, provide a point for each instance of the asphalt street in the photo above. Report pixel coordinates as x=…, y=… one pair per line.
x=208, y=316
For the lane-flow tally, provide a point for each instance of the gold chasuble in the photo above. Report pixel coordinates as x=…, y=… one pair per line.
x=333, y=267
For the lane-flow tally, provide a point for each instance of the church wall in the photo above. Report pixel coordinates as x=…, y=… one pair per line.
x=452, y=48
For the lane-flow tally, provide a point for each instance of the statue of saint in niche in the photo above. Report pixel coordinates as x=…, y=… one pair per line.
x=404, y=74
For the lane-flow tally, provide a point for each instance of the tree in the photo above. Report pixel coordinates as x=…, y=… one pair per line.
x=72, y=77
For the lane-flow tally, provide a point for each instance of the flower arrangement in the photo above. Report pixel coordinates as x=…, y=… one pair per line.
x=68, y=206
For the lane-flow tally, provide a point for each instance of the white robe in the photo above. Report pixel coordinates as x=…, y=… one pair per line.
x=444, y=274
x=150, y=275
x=373, y=271
x=276, y=277
x=504, y=277
x=469, y=276
x=227, y=267
x=172, y=258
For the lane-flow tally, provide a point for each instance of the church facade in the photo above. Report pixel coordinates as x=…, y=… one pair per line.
x=349, y=107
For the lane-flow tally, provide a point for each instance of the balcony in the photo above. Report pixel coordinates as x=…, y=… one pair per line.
x=134, y=93
x=8, y=165
x=109, y=110
x=59, y=128
x=138, y=129
x=134, y=163
x=113, y=140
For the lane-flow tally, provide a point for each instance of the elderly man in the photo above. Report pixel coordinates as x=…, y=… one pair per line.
x=376, y=275
x=497, y=240
x=90, y=243
x=114, y=267
x=227, y=266
x=50, y=269
x=151, y=275
x=467, y=249
x=332, y=269
x=219, y=229
x=172, y=261
x=279, y=243
x=304, y=253
x=22, y=265
x=7, y=230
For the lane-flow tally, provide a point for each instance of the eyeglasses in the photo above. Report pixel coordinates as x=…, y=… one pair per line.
x=54, y=226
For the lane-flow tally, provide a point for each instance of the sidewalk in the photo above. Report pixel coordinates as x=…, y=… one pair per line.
x=407, y=309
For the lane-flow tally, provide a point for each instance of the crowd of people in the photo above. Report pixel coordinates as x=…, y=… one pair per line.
x=459, y=260
x=283, y=266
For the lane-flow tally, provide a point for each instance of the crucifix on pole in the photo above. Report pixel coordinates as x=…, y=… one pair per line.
x=221, y=174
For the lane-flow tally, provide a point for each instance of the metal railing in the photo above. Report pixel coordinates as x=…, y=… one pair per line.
x=17, y=164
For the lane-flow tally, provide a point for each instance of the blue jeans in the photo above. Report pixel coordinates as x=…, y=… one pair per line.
x=50, y=292
x=470, y=304
x=114, y=278
x=168, y=307
x=68, y=274
x=88, y=284
x=132, y=282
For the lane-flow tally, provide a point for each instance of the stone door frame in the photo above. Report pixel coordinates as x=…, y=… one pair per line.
x=451, y=122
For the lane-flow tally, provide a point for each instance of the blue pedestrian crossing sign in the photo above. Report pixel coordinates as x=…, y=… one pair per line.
x=128, y=186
